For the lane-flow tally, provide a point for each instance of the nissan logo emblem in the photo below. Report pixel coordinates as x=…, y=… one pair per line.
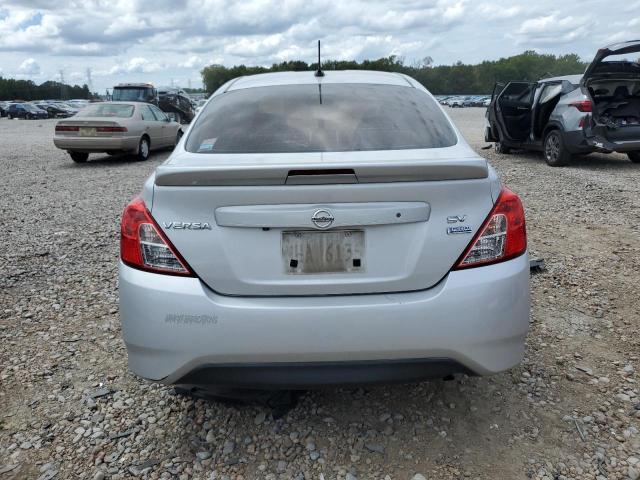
x=322, y=218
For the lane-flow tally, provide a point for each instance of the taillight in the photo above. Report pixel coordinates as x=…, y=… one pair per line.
x=582, y=105
x=144, y=246
x=111, y=129
x=66, y=128
x=502, y=236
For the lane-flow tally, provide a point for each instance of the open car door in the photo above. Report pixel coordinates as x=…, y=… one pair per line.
x=490, y=133
x=513, y=110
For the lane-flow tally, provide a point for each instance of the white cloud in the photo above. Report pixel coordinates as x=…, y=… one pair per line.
x=498, y=12
x=29, y=67
x=194, y=61
x=135, y=65
x=139, y=40
x=554, y=29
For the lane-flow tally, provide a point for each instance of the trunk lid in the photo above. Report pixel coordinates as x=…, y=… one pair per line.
x=598, y=67
x=87, y=127
x=394, y=220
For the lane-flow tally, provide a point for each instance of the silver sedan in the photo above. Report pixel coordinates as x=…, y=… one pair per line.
x=116, y=127
x=322, y=230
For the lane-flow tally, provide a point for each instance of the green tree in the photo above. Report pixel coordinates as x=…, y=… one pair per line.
x=458, y=78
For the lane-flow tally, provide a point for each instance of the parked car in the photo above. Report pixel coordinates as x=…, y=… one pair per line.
x=470, y=101
x=295, y=239
x=68, y=106
x=116, y=127
x=78, y=104
x=55, y=110
x=4, y=106
x=456, y=102
x=574, y=114
x=200, y=104
x=26, y=111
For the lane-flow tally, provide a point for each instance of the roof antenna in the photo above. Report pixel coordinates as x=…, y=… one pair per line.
x=319, y=72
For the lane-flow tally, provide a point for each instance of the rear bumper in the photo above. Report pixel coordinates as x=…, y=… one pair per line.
x=304, y=375
x=577, y=142
x=96, y=144
x=178, y=331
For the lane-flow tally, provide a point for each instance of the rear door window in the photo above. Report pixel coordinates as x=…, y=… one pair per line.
x=320, y=118
x=550, y=92
x=147, y=113
x=159, y=114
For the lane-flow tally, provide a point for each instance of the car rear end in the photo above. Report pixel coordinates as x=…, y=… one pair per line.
x=101, y=127
x=318, y=232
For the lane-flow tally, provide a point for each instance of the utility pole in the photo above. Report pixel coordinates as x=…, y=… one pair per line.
x=61, y=71
x=89, y=81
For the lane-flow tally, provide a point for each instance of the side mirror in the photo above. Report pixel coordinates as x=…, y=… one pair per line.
x=171, y=117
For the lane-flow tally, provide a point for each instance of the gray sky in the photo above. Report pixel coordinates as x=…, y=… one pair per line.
x=161, y=40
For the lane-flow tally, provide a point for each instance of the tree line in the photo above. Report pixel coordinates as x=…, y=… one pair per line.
x=458, y=78
x=14, y=89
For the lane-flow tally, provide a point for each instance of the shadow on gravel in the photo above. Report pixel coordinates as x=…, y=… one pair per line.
x=280, y=402
x=467, y=398
x=600, y=160
x=114, y=160
x=593, y=160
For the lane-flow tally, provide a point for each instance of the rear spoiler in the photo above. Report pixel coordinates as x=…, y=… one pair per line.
x=321, y=173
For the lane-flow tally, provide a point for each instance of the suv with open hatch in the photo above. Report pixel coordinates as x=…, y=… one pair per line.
x=598, y=111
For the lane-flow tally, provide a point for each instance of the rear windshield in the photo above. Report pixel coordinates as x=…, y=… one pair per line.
x=133, y=94
x=106, y=110
x=330, y=118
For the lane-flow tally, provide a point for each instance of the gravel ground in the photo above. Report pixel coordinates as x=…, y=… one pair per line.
x=70, y=409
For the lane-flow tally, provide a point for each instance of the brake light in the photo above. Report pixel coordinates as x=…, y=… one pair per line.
x=66, y=128
x=111, y=129
x=582, y=105
x=502, y=236
x=144, y=246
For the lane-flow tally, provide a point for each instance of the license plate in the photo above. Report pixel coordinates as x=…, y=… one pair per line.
x=306, y=252
x=87, y=132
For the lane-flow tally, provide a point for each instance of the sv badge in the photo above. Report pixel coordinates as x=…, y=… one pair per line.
x=456, y=218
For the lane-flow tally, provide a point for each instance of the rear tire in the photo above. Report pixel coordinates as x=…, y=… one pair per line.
x=555, y=153
x=501, y=148
x=634, y=157
x=79, y=157
x=144, y=148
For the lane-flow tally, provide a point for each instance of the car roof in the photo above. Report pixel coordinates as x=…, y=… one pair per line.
x=121, y=102
x=330, y=76
x=574, y=79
